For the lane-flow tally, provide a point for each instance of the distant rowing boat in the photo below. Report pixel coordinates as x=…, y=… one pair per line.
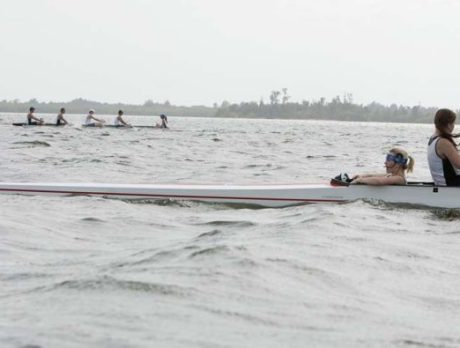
x=24, y=124
x=423, y=194
x=113, y=126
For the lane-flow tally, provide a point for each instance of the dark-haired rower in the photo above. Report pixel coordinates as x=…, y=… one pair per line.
x=119, y=121
x=164, y=122
x=443, y=156
x=32, y=120
x=60, y=120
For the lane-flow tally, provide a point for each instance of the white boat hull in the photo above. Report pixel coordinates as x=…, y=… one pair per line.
x=261, y=195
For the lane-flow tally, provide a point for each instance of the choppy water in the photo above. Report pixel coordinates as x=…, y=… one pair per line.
x=93, y=272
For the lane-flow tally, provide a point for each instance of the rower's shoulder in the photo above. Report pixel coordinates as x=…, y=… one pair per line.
x=444, y=144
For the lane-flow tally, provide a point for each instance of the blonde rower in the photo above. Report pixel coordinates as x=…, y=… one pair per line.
x=397, y=163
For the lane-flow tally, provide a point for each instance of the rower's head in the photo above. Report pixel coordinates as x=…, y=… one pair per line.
x=120, y=112
x=91, y=111
x=31, y=109
x=62, y=111
x=163, y=117
x=398, y=157
x=444, y=121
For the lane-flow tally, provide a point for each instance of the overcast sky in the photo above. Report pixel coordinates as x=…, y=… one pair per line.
x=204, y=51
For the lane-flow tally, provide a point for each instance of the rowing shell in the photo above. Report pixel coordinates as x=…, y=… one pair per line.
x=260, y=195
x=121, y=126
x=24, y=124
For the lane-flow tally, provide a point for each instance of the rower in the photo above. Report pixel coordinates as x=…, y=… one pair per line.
x=119, y=122
x=90, y=117
x=60, y=120
x=443, y=156
x=32, y=120
x=164, y=122
x=397, y=162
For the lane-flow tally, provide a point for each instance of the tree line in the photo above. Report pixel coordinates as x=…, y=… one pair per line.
x=278, y=106
x=81, y=106
x=338, y=108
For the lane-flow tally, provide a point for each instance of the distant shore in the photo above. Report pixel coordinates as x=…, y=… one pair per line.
x=340, y=109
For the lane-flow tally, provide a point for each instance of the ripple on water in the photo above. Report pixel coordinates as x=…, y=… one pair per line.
x=213, y=233
x=297, y=266
x=156, y=257
x=24, y=276
x=35, y=143
x=227, y=223
x=446, y=214
x=107, y=283
x=211, y=251
x=91, y=219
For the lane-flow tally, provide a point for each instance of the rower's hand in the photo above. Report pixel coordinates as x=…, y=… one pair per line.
x=358, y=181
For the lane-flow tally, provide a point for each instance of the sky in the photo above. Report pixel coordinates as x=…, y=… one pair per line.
x=200, y=52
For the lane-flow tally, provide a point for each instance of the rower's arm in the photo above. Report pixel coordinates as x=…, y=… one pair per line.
x=445, y=148
x=366, y=176
x=380, y=180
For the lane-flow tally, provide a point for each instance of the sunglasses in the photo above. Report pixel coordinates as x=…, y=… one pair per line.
x=398, y=159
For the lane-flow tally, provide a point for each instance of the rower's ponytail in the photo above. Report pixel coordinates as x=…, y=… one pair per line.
x=410, y=164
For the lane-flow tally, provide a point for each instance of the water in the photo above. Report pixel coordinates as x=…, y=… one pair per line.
x=94, y=272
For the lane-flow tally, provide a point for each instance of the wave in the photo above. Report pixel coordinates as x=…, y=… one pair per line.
x=108, y=283
x=241, y=223
x=35, y=143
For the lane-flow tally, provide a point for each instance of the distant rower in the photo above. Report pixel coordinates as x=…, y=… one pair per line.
x=31, y=116
x=164, y=122
x=60, y=120
x=90, y=117
x=119, y=121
